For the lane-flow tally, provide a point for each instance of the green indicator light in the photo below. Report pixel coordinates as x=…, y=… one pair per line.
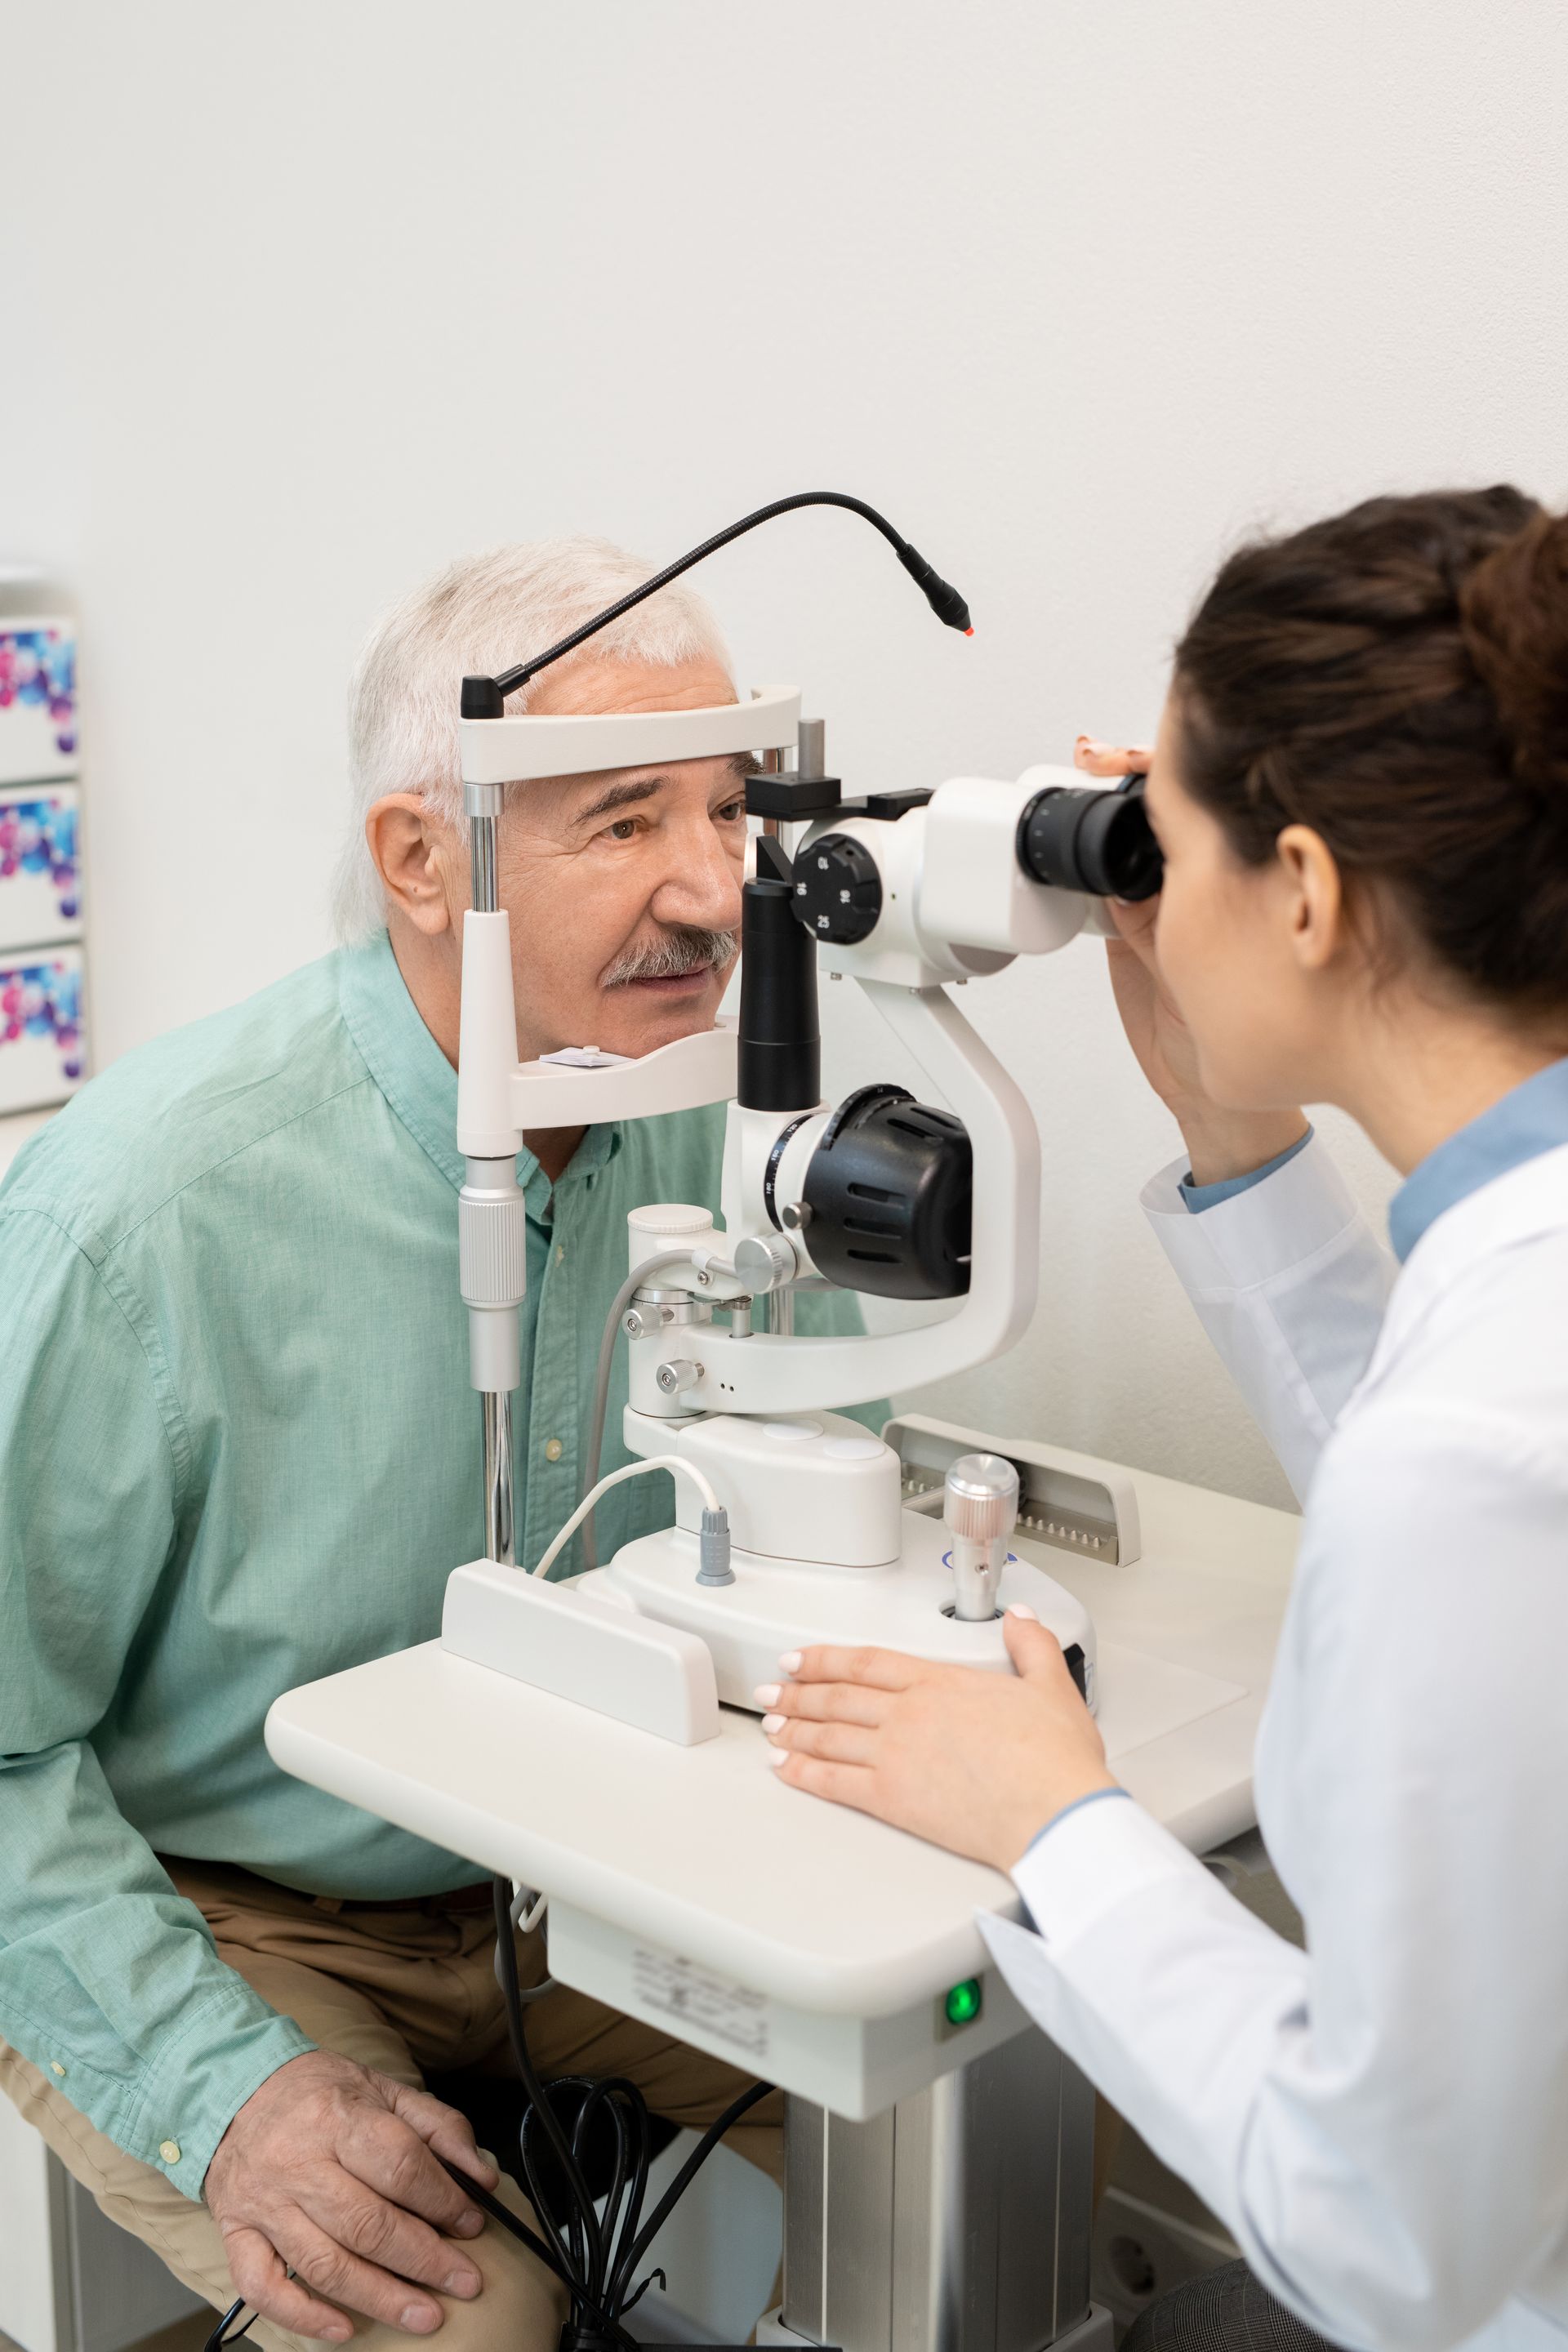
x=962, y=2003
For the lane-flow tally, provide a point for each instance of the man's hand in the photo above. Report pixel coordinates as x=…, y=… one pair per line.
x=974, y=1761
x=330, y=2170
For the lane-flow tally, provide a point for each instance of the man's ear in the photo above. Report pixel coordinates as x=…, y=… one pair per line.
x=1315, y=897
x=405, y=844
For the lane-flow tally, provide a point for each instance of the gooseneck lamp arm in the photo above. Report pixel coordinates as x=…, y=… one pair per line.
x=483, y=697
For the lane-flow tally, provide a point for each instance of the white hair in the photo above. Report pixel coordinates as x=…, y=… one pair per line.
x=481, y=614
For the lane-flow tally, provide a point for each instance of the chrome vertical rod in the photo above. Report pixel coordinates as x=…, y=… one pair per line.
x=483, y=803
x=772, y=764
x=482, y=886
x=496, y=1409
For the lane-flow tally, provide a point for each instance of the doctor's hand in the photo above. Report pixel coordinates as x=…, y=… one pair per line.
x=977, y=1762
x=1155, y=1030
x=1220, y=1142
x=335, y=2172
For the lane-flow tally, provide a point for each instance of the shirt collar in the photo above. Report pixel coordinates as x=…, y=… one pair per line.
x=1532, y=1118
x=420, y=1083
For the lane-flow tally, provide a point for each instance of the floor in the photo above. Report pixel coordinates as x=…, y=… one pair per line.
x=185, y=2336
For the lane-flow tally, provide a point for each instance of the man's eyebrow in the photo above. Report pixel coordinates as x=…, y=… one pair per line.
x=618, y=796
x=644, y=788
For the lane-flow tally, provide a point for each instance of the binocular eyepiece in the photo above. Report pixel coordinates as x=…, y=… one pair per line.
x=1097, y=840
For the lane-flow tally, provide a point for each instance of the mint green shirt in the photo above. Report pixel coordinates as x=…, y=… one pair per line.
x=239, y=1450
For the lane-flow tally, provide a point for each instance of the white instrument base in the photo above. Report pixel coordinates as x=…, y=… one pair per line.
x=686, y=1882
x=778, y=1605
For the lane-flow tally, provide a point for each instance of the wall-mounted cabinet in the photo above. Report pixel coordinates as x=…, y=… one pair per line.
x=43, y=1042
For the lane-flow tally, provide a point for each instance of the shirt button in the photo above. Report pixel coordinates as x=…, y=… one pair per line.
x=560, y=1252
x=169, y=2149
x=55, y=2066
x=553, y=1449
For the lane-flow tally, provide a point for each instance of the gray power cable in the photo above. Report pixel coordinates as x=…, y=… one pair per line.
x=624, y=1296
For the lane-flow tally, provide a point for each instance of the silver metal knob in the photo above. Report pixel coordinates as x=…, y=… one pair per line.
x=762, y=1262
x=678, y=1374
x=795, y=1215
x=980, y=1505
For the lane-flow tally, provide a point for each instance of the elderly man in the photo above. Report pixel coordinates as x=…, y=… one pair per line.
x=239, y=1451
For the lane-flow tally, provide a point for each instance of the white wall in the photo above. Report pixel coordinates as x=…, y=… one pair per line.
x=309, y=296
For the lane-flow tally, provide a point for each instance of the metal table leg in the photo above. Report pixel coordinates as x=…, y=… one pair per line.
x=958, y=2221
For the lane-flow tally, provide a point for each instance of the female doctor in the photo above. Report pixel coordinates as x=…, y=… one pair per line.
x=1360, y=788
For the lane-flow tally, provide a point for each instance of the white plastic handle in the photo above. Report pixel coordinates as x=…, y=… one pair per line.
x=515, y=751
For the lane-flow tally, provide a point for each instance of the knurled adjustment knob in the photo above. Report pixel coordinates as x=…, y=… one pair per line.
x=838, y=889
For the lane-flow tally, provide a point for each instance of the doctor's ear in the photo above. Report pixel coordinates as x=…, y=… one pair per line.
x=406, y=845
x=1315, y=898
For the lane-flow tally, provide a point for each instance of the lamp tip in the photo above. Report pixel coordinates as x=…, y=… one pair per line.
x=970, y=630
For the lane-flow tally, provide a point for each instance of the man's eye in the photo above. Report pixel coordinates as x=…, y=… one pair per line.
x=624, y=829
x=730, y=812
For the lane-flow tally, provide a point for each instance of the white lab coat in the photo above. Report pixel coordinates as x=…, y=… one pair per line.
x=1382, y=2120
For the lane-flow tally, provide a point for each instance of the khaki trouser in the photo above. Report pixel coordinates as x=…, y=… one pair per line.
x=410, y=1990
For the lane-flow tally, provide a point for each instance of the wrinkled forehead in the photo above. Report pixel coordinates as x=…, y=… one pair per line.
x=594, y=685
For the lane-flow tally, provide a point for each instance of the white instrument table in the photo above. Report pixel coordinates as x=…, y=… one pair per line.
x=811, y=1944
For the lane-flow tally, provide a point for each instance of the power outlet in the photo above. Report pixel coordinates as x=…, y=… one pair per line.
x=1141, y=2254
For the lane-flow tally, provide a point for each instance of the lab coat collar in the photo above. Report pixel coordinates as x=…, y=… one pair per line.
x=420, y=1083
x=1501, y=1214
x=1532, y=1118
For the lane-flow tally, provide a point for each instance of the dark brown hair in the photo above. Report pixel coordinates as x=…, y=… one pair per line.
x=1397, y=678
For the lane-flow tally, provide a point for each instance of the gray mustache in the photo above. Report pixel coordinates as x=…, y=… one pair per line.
x=672, y=953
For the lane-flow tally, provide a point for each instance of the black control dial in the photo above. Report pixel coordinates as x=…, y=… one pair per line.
x=838, y=889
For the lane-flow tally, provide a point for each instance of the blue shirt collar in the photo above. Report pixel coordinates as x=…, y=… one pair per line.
x=420, y=1083
x=1529, y=1120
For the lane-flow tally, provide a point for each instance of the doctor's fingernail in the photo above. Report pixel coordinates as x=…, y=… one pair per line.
x=772, y=1723
x=767, y=1695
x=790, y=1662
x=1022, y=1609
x=777, y=1756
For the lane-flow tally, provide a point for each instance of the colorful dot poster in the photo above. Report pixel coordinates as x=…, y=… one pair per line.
x=40, y=873
x=37, y=701
x=42, y=1054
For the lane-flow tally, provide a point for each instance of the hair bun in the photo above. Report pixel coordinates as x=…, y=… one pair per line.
x=1513, y=610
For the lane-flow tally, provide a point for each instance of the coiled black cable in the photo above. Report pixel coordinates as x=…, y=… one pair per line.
x=483, y=697
x=598, y=2257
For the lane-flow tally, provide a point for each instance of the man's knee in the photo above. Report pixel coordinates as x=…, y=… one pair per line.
x=521, y=2305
